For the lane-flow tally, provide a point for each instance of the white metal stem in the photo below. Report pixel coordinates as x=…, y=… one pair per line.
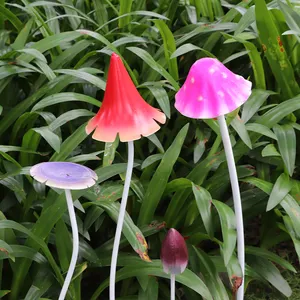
x=236, y=200
x=114, y=258
x=74, y=227
x=172, y=286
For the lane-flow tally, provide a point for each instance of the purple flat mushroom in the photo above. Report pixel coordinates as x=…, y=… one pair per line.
x=64, y=175
x=67, y=176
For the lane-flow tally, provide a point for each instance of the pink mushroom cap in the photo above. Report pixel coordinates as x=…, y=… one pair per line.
x=211, y=90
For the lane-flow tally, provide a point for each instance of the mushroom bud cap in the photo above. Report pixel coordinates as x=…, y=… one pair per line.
x=174, y=253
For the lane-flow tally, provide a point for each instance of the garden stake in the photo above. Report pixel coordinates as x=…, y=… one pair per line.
x=67, y=176
x=123, y=112
x=174, y=256
x=211, y=91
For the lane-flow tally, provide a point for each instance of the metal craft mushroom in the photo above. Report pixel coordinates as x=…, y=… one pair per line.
x=68, y=176
x=211, y=91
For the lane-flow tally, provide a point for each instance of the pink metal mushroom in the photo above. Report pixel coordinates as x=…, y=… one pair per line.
x=211, y=91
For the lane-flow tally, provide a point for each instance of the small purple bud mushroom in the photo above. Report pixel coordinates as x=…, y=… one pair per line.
x=174, y=253
x=174, y=256
x=67, y=176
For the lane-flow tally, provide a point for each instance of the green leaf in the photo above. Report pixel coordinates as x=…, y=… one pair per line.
x=280, y=189
x=56, y=84
x=34, y=293
x=256, y=61
x=4, y=292
x=52, y=139
x=275, y=51
x=203, y=29
x=169, y=46
x=160, y=178
x=4, y=224
x=125, y=8
x=148, y=59
x=292, y=18
x=15, y=186
x=132, y=233
x=72, y=14
x=177, y=185
x=9, y=70
x=22, y=37
x=109, y=192
x=289, y=204
x=85, y=76
x=246, y=20
x=35, y=54
x=151, y=159
x=135, y=13
x=11, y=17
x=204, y=200
x=259, y=128
x=270, y=256
x=69, y=116
x=235, y=56
x=268, y=271
x=109, y=152
x=286, y=140
x=188, y=48
x=70, y=144
x=228, y=227
x=63, y=245
x=162, y=98
x=202, y=263
x=101, y=14
x=293, y=234
x=270, y=150
x=93, y=214
x=154, y=139
x=187, y=278
x=151, y=290
x=197, y=175
x=50, y=42
x=64, y=97
x=241, y=129
x=6, y=250
x=27, y=252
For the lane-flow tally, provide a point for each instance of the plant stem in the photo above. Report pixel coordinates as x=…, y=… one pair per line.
x=114, y=258
x=236, y=200
x=74, y=227
x=173, y=286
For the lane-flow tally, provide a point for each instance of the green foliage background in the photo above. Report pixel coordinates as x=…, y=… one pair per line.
x=54, y=58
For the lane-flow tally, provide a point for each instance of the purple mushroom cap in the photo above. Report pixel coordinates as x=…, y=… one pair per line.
x=174, y=253
x=64, y=175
